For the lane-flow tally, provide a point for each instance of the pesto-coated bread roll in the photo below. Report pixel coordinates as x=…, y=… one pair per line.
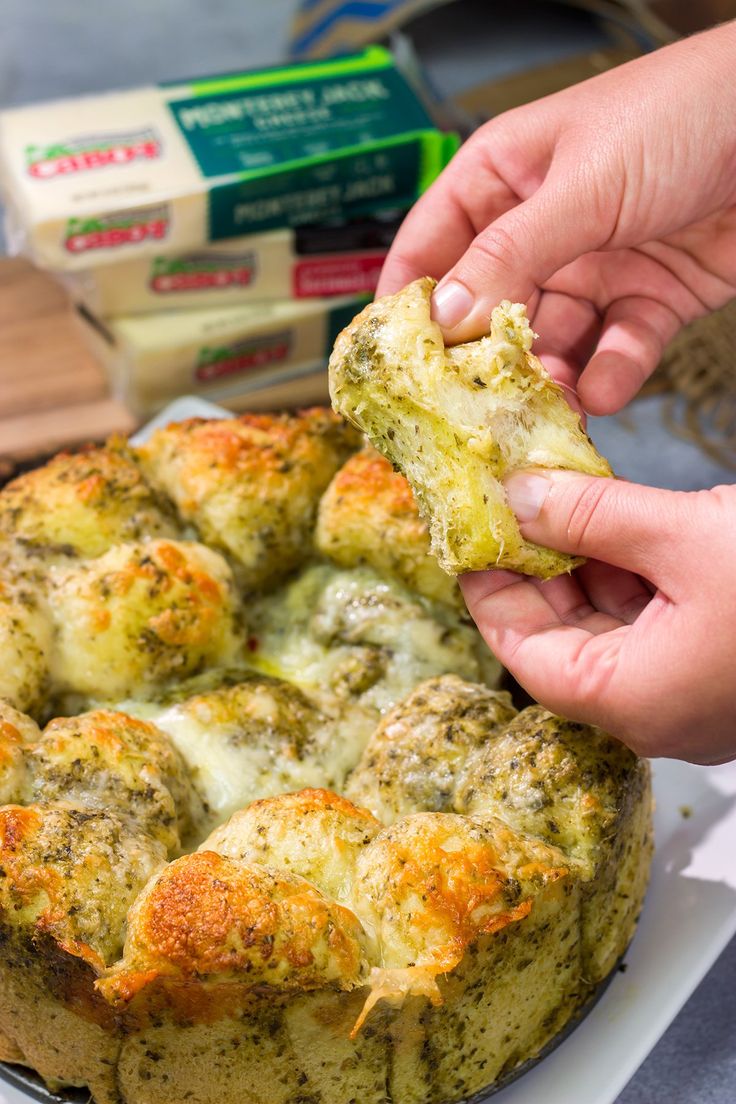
x=130, y=621
x=83, y=503
x=251, y=485
x=457, y=421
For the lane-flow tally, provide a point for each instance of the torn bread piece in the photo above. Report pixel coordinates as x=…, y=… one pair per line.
x=457, y=421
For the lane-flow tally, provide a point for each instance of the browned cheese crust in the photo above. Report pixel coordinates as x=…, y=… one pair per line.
x=83, y=504
x=251, y=485
x=211, y=919
x=140, y=615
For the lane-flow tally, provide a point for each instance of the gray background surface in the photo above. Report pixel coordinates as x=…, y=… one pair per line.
x=64, y=47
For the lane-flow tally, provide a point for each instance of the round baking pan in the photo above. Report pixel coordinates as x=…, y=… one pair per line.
x=31, y=1084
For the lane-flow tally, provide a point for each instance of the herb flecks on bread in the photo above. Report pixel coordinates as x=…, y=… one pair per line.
x=456, y=421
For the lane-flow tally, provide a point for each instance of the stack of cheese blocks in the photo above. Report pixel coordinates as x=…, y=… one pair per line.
x=217, y=234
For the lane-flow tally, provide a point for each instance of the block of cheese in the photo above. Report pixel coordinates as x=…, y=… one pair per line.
x=276, y=265
x=221, y=353
x=177, y=166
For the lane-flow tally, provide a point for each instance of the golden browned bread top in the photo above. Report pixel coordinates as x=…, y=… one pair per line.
x=251, y=485
x=211, y=918
x=104, y=595
x=431, y=884
x=463, y=748
x=309, y=889
x=314, y=833
x=139, y=615
x=83, y=503
x=304, y=891
x=72, y=873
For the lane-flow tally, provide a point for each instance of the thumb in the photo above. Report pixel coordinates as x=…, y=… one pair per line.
x=624, y=524
x=514, y=256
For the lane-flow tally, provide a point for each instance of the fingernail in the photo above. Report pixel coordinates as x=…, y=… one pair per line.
x=527, y=494
x=451, y=303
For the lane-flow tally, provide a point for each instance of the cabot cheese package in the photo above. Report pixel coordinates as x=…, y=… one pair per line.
x=299, y=264
x=221, y=354
x=177, y=166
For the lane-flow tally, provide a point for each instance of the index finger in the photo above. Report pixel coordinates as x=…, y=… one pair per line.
x=464, y=199
x=432, y=237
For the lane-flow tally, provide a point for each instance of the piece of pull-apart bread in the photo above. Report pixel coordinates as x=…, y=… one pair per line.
x=456, y=421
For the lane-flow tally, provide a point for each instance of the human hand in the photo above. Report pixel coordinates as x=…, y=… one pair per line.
x=608, y=208
x=652, y=662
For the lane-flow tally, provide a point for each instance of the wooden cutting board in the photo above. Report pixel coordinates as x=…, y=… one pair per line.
x=53, y=393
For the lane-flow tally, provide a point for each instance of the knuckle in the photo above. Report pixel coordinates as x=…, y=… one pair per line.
x=587, y=515
x=495, y=249
x=476, y=155
x=483, y=140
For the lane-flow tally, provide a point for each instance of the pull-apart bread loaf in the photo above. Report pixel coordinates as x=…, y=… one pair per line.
x=269, y=832
x=457, y=420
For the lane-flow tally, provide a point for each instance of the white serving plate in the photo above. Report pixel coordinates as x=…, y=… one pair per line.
x=689, y=916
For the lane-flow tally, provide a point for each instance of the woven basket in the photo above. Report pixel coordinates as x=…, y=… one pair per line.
x=698, y=375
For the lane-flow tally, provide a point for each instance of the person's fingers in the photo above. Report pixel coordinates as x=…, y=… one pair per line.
x=470, y=193
x=594, y=588
x=607, y=679
x=625, y=524
x=516, y=253
x=530, y=605
x=613, y=590
x=426, y=244
x=568, y=328
x=633, y=336
x=568, y=600
x=506, y=607
x=565, y=667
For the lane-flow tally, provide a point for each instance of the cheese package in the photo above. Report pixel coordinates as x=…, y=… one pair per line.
x=299, y=264
x=177, y=166
x=221, y=354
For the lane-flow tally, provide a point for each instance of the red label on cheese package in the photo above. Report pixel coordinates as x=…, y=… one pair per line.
x=198, y=271
x=349, y=274
x=110, y=231
x=242, y=356
x=91, y=152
